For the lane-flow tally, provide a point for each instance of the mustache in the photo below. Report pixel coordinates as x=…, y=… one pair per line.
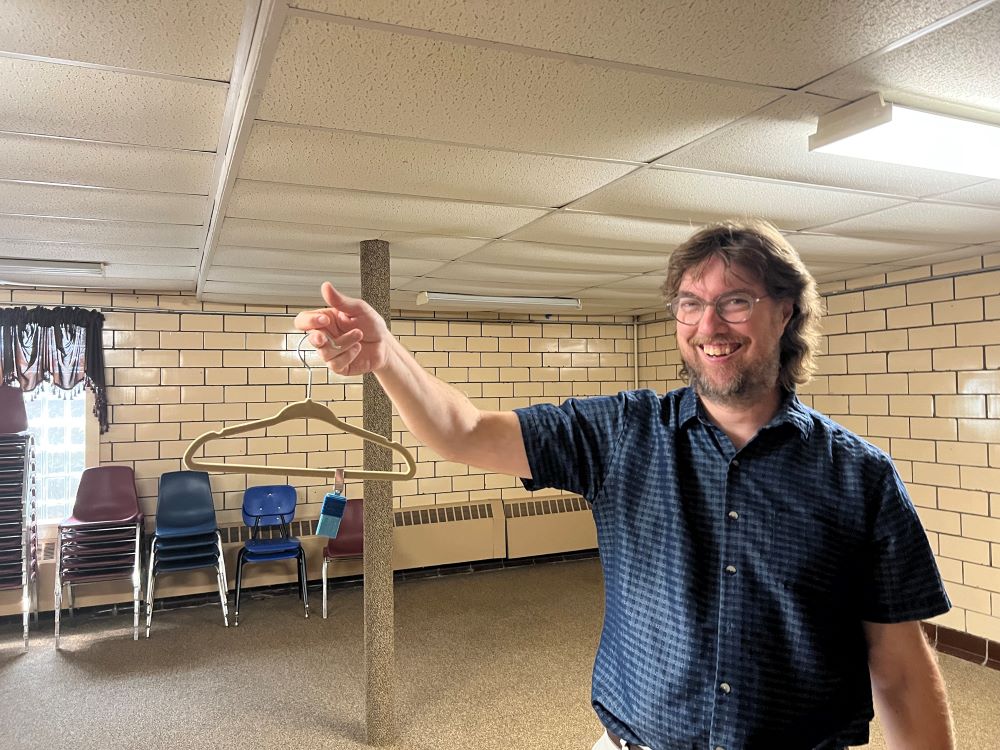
x=717, y=341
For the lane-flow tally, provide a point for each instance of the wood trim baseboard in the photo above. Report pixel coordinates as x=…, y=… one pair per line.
x=963, y=645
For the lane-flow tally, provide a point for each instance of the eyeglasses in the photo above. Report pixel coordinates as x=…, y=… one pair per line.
x=736, y=307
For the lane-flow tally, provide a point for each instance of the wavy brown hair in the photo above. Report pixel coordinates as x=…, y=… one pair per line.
x=758, y=247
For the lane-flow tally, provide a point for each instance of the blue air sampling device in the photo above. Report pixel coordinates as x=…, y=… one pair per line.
x=331, y=514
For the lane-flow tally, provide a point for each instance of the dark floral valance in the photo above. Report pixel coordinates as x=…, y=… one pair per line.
x=62, y=347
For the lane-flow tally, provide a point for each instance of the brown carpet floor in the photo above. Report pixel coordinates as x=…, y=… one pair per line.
x=494, y=661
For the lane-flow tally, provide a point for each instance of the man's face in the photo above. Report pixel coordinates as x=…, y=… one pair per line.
x=731, y=363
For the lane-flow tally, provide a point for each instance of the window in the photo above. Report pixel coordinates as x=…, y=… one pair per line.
x=59, y=424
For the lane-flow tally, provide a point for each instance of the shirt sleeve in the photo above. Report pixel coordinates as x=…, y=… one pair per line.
x=903, y=579
x=570, y=446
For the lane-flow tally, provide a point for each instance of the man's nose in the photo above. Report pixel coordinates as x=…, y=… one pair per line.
x=710, y=322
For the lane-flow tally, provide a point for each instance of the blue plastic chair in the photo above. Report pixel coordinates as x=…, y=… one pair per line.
x=268, y=510
x=187, y=534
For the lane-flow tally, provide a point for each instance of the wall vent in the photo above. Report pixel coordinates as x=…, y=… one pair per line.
x=548, y=526
x=443, y=514
x=524, y=508
x=238, y=533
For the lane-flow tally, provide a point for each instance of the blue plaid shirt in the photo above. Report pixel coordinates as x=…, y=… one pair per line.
x=736, y=582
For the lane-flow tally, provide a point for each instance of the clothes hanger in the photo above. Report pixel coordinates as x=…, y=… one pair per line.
x=307, y=409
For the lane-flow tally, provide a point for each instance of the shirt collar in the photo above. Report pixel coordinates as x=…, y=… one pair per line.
x=790, y=412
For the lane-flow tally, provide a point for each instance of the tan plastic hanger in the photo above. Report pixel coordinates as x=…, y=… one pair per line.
x=307, y=409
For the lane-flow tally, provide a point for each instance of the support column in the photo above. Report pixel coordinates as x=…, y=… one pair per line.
x=379, y=634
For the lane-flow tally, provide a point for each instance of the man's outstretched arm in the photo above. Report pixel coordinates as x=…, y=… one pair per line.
x=353, y=339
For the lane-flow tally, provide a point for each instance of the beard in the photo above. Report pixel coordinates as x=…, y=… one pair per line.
x=740, y=387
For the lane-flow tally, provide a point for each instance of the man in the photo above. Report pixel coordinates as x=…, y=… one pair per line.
x=765, y=571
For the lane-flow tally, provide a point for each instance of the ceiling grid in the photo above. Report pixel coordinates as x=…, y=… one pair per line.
x=242, y=149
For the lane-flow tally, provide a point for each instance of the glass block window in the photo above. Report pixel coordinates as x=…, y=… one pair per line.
x=58, y=421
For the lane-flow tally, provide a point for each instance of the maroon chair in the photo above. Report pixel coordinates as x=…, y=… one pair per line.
x=13, y=417
x=103, y=537
x=350, y=540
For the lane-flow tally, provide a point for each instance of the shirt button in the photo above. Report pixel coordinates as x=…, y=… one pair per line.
x=735, y=463
x=734, y=515
x=719, y=747
x=725, y=688
x=731, y=569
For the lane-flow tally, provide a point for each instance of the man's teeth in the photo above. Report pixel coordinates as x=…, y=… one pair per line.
x=719, y=350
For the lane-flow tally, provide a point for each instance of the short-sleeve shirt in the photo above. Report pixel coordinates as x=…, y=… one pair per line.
x=736, y=581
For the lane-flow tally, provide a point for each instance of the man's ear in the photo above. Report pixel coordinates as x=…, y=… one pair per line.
x=787, y=308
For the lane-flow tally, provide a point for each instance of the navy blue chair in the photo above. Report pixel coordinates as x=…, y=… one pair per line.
x=268, y=510
x=187, y=534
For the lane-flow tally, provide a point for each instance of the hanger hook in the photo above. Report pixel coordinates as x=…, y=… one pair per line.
x=302, y=357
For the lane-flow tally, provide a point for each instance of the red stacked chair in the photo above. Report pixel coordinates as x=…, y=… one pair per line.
x=103, y=538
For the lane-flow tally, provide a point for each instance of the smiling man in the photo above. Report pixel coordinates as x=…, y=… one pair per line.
x=765, y=571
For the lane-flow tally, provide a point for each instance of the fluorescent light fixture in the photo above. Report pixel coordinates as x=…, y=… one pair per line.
x=49, y=267
x=491, y=302
x=871, y=128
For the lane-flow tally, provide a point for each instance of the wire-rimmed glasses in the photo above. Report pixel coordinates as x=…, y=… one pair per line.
x=733, y=307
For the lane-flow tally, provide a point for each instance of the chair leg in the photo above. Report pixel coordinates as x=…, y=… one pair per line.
x=136, y=584
x=326, y=562
x=302, y=580
x=240, y=560
x=57, y=592
x=149, y=586
x=223, y=581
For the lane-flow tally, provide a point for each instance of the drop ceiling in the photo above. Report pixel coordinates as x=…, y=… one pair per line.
x=241, y=150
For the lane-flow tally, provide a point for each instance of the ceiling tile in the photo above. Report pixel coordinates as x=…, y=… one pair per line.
x=956, y=64
x=985, y=194
x=936, y=222
x=781, y=44
x=774, y=142
x=92, y=231
x=318, y=263
x=305, y=292
x=687, y=196
x=340, y=274
x=322, y=75
x=40, y=159
x=309, y=156
x=120, y=254
x=194, y=38
x=596, y=230
x=970, y=251
x=550, y=279
x=819, y=248
x=648, y=283
x=102, y=203
x=308, y=205
x=49, y=99
x=293, y=295
x=464, y=286
x=276, y=234
x=188, y=274
x=538, y=255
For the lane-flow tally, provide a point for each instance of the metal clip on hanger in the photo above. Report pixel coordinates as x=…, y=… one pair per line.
x=307, y=409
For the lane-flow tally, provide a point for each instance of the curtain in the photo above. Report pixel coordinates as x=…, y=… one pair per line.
x=61, y=347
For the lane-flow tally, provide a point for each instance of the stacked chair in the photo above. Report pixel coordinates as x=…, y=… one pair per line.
x=349, y=542
x=18, y=529
x=187, y=534
x=268, y=510
x=103, y=538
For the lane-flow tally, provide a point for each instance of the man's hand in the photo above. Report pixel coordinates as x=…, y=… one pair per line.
x=349, y=335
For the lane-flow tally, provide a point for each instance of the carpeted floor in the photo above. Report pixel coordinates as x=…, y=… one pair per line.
x=494, y=661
